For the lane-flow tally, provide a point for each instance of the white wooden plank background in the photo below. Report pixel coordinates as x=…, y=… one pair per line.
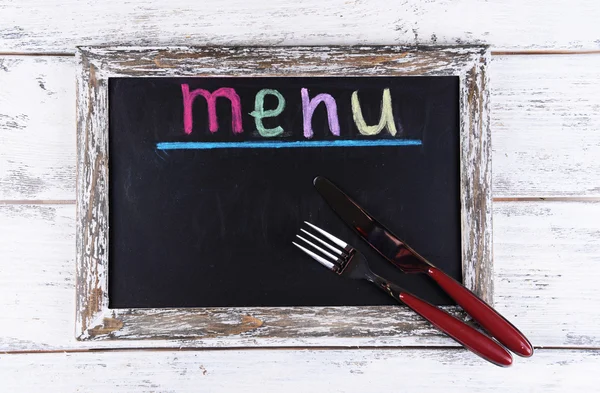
x=546, y=125
x=60, y=25
x=380, y=370
x=545, y=281
x=545, y=122
x=546, y=141
x=37, y=128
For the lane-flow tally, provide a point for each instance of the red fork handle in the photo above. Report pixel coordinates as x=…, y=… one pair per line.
x=469, y=337
x=485, y=315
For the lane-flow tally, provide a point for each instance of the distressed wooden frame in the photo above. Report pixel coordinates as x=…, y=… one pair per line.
x=268, y=326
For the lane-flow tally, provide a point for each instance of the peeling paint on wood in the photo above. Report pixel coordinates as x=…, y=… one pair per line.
x=96, y=65
x=546, y=125
x=58, y=26
x=550, y=254
x=37, y=144
x=285, y=370
x=108, y=326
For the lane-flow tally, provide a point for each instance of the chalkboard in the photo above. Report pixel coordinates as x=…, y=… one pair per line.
x=194, y=173
x=210, y=179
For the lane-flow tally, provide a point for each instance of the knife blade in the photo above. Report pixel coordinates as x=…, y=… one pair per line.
x=375, y=234
x=408, y=260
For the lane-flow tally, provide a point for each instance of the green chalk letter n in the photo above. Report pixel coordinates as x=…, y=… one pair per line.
x=259, y=112
x=386, y=119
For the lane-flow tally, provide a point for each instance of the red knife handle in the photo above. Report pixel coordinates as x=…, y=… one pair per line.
x=485, y=315
x=466, y=335
x=471, y=338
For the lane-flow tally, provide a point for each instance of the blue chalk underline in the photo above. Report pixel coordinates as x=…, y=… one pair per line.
x=285, y=144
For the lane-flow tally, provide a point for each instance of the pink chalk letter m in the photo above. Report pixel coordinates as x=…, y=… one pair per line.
x=211, y=98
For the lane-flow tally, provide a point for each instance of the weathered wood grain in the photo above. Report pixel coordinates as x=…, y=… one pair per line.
x=264, y=61
x=37, y=275
x=546, y=125
x=547, y=259
x=96, y=65
x=376, y=370
x=58, y=26
x=544, y=109
x=91, y=235
x=545, y=282
x=37, y=139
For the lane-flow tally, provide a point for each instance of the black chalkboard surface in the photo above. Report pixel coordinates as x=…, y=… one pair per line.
x=203, y=207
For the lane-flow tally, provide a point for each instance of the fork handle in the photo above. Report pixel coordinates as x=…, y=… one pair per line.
x=486, y=316
x=466, y=335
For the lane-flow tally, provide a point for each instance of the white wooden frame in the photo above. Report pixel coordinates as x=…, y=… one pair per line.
x=95, y=320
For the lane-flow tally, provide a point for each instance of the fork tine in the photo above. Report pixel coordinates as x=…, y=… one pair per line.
x=332, y=248
x=334, y=239
x=326, y=253
x=316, y=257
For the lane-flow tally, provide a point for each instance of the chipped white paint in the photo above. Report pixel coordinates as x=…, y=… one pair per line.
x=377, y=370
x=60, y=25
x=37, y=144
x=544, y=109
x=128, y=61
x=547, y=258
x=546, y=125
x=546, y=254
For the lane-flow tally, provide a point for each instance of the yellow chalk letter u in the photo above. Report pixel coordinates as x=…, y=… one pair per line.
x=386, y=119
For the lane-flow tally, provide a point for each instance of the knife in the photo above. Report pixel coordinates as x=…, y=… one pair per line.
x=409, y=261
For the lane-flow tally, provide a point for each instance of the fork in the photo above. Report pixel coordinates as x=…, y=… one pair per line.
x=348, y=262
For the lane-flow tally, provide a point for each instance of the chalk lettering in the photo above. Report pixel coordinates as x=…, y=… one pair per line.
x=213, y=124
x=309, y=106
x=259, y=112
x=386, y=119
